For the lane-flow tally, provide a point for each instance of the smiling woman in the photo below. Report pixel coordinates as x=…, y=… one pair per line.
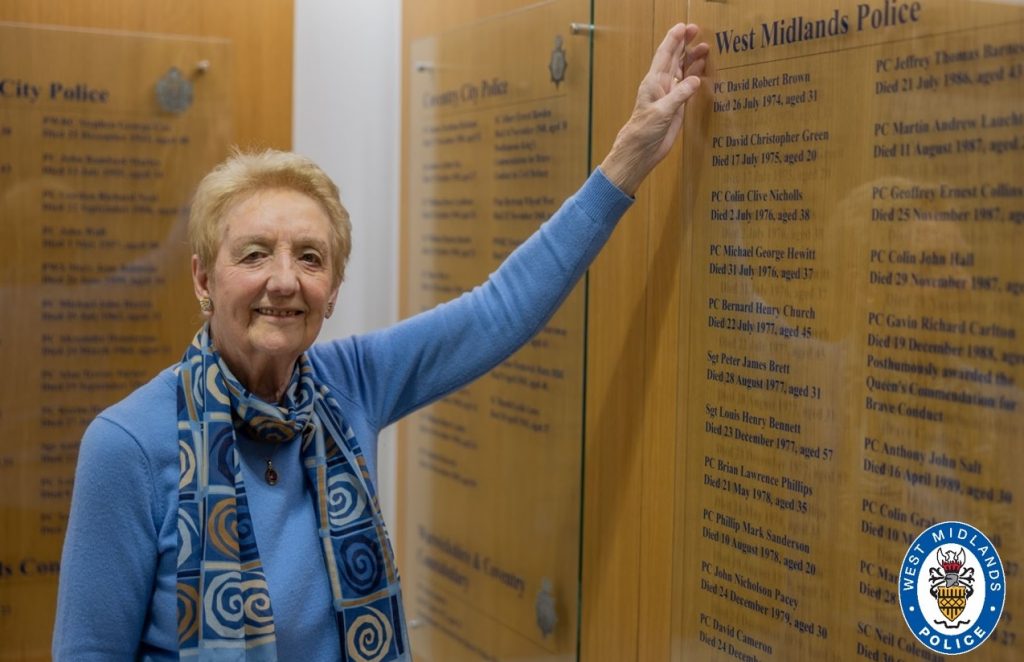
x=227, y=510
x=270, y=286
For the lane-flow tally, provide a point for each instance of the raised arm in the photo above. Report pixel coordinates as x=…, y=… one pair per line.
x=399, y=369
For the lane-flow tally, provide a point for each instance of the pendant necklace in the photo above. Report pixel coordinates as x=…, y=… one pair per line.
x=270, y=475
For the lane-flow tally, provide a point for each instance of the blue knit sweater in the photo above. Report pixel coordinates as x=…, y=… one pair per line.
x=117, y=597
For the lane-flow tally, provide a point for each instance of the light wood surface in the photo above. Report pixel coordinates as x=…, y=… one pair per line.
x=633, y=333
x=491, y=474
x=260, y=32
x=96, y=181
x=617, y=362
x=645, y=497
x=667, y=297
x=808, y=468
x=74, y=264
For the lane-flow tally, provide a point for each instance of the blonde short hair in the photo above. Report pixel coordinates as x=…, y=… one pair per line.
x=245, y=173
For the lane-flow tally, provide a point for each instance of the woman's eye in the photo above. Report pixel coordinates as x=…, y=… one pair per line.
x=311, y=258
x=252, y=256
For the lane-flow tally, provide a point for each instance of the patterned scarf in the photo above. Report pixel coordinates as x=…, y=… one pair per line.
x=224, y=610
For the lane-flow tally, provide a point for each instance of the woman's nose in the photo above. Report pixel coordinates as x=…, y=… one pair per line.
x=283, y=275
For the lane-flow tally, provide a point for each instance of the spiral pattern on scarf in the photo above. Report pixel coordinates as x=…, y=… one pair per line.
x=223, y=599
x=361, y=562
x=222, y=529
x=188, y=612
x=222, y=604
x=258, y=615
x=369, y=637
x=186, y=465
x=272, y=430
x=243, y=528
x=212, y=387
x=195, y=374
x=227, y=459
x=345, y=502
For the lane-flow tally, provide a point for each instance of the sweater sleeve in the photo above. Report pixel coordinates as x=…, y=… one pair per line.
x=109, y=561
x=406, y=366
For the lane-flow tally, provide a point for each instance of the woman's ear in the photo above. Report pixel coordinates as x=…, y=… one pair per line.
x=331, y=301
x=200, y=279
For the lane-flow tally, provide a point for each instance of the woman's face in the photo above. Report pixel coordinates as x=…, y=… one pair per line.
x=272, y=278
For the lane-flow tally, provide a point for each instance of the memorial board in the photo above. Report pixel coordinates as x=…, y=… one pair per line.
x=490, y=476
x=103, y=137
x=855, y=366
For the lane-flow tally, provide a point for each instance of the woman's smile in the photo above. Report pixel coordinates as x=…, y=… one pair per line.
x=281, y=313
x=271, y=285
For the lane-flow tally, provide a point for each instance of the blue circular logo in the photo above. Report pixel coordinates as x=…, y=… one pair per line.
x=952, y=588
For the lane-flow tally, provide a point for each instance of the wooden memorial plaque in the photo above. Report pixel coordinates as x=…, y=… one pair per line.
x=857, y=329
x=490, y=476
x=96, y=173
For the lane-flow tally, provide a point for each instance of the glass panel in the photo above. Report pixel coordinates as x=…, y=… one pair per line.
x=490, y=502
x=854, y=375
x=95, y=179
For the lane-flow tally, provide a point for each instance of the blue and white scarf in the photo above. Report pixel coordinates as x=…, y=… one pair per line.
x=224, y=610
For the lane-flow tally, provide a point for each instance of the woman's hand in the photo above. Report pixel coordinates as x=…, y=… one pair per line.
x=657, y=116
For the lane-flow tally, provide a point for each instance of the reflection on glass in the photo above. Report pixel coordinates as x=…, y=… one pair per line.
x=95, y=180
x=491, y=487
x=852, y=375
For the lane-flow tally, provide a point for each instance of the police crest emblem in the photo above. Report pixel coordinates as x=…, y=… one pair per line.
x=952, y=584
x=174, y=92
x=952, y=588
x=547, y=615
x=558, y=64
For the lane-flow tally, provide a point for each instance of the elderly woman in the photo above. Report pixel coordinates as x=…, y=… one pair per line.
x=258, y=535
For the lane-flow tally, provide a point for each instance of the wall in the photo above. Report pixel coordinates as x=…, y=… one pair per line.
x=259, y=113
x=632, y=340
x=346, y=109
x=646, y=443
x=260, y=30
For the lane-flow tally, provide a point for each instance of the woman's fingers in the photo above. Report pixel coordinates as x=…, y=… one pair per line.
x=657, y=117
x=666, y=58
x=687, y=88
x=674, y=58
x=696, y=58
x=678, y=55
x=684, y=55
